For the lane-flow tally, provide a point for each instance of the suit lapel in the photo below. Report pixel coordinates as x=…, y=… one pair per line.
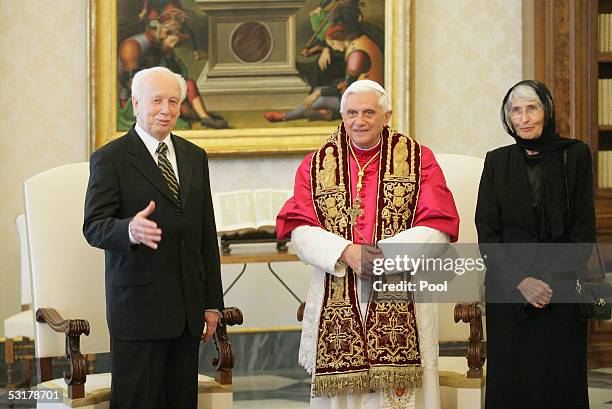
x=144, y=162
x=184, y=162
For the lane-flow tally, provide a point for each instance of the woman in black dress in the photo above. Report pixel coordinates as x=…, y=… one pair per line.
x=538, y=190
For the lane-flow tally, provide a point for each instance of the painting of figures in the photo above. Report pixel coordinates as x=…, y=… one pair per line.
x=250, y=75
x=262, y=76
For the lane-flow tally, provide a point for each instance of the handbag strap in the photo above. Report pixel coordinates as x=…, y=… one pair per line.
x=602, y=268
x=567, y=203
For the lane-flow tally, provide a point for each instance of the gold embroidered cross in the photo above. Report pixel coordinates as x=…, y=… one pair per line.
x=393, y=330
x=338, y=337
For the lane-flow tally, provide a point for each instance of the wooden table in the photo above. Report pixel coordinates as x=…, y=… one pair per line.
x=271, y=257
x=267, y=258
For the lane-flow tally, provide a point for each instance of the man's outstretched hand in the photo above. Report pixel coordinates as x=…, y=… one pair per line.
x=143, y=230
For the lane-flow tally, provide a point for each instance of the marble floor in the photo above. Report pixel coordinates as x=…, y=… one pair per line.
x=281, y=390
x=289, y=389
x=600, y=388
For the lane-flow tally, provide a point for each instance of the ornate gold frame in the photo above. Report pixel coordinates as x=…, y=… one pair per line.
x=101, y=120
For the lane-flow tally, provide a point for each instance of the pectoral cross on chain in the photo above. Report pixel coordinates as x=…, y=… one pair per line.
x=354, y=211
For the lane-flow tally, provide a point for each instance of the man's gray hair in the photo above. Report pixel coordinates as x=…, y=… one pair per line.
x=523, y=92
x=141, y=78
x=362, y=86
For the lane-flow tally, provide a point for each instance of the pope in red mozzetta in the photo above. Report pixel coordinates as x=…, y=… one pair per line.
x=368, y=185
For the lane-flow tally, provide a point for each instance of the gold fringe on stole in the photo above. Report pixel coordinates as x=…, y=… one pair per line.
x=377, y=378
x=389, y=377
x=341, y=384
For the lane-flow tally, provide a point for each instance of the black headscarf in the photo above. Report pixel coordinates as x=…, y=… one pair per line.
x=552, y=207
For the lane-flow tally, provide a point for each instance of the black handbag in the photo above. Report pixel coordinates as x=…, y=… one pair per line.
x=594, y=300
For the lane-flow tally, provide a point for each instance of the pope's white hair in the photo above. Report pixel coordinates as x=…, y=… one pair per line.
x=362, y=86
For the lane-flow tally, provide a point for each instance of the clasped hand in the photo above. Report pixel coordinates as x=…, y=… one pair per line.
x=536, y=292
x=360, y=258
x=143, y=230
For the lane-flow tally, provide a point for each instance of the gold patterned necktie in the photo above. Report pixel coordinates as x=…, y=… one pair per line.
x=167, y=172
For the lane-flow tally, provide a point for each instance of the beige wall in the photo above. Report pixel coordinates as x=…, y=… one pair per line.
x=42, y=120
x=468, y=52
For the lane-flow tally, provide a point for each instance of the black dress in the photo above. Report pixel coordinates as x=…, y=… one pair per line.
x=536, y=358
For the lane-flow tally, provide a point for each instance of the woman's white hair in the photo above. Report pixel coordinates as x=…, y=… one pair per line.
x=362, y=86
x=141, y=76
x=523, y=92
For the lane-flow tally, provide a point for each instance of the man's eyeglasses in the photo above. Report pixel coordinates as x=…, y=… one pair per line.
x=530, y=110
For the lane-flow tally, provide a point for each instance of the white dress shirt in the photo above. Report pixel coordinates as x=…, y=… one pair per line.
x=152, y=143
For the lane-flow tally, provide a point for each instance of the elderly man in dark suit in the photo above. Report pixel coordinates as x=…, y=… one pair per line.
x=149, y=206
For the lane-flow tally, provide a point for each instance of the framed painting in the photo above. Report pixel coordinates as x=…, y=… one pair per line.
x=263, y=76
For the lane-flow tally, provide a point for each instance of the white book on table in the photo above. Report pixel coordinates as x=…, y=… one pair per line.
x=242, y=211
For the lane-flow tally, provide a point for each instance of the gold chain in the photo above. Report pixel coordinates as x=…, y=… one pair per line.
x=356, y=206
x=361, y=169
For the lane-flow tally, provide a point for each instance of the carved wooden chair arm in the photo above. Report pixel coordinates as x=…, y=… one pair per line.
x=232, y=316
x=300, y=312
x=471, y=313
x=58, y=324
x=73, y=328
x=225, y=360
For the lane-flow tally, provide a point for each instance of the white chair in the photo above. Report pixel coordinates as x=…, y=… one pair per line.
x=19, y=328
x=461, y=382
x=68, y=294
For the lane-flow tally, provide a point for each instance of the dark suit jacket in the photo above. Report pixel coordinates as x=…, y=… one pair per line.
x=151, y=294
x=502, y=217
